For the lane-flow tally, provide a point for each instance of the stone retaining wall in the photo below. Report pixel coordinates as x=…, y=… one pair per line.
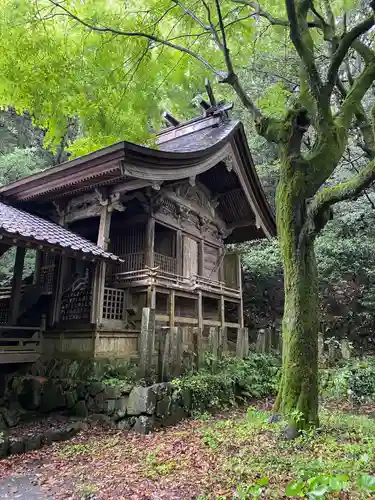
x=114, y=402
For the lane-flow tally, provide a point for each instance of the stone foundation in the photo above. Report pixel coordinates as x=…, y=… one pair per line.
x=78, y=389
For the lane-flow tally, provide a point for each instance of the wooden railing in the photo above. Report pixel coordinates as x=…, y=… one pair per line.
x=157, y=276
x=132, y=261
x=20, y=343
x=165, y=263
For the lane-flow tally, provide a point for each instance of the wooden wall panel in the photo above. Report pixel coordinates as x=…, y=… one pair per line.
x=190, y=256
x=211, y=262
x=231, y=265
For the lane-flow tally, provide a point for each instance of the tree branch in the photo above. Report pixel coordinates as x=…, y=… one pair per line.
x=153, y=38
x=342, y=50
x=225, y=49
x=344, y=191
x=356, y=94
x=303, y=44
x=192, y=15
x=258, y=10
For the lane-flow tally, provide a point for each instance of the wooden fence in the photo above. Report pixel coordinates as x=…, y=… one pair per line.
x=172, y=351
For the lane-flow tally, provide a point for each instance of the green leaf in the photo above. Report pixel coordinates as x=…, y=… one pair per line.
x=263, y=481
x=295, y=489
x=366, y=483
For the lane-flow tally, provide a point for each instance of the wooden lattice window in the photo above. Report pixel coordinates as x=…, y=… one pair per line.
x=113, y=304
x=4, y=311
x=76, y=304
x=47, y=270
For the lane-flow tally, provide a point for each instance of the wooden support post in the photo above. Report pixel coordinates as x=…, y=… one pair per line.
x=100, y=269
x=213, y=341
x=166, y=372
x=223, y=341
x=160, y=335
x=200, y=311
x=176, y=351
x=240, y=343
x=146, y=341
x=37, y=268
x=149, y=241
x=261, y=342
x=16, y=285
x=172, y=305
x=222, y=311
x=58, y=289
x=179, y=256
x=245, y=342
x=240, y=317
x=197, y=347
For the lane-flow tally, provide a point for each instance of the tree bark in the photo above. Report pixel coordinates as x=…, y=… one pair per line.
x=297, y=399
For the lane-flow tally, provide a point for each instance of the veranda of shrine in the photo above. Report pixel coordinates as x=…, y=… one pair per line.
x=129, y=233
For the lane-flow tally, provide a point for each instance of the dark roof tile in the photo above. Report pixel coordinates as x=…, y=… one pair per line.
x=21, y=223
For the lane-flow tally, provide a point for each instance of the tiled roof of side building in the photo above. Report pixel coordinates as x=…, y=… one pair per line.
x=18, y=223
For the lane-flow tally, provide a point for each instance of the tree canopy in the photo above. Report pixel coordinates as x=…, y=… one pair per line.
x=107, y=68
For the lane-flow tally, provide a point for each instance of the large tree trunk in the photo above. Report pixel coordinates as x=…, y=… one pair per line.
x=298, y=393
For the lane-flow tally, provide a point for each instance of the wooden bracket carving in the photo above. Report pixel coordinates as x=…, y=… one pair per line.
x=228, y=160
x=115, y=203
x=102, y=196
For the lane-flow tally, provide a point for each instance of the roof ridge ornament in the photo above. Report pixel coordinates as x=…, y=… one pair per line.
x=212, y=107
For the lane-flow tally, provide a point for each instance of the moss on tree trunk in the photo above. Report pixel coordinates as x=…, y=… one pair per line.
x=298, y=393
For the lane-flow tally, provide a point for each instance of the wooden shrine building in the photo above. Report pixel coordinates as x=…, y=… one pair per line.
x=128, y=227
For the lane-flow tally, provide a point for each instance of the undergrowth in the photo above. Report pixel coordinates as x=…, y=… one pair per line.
x=353, y=381
x=229, y=380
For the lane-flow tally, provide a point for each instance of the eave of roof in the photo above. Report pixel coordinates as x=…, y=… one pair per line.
x=187, y=146
x=18, y=225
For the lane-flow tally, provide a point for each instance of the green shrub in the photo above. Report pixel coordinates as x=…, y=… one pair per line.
x=354, y=381
x=232, y=378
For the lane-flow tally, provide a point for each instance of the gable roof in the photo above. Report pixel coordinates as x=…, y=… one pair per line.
x=188, y=150
x=20, y=225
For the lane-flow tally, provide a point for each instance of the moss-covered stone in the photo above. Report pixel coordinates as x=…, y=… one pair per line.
x=144, y=424
x=30, y=392
x=53, y=397
x=80, y=409
x=33, y=442
x=16, y=446
x=71, y=398
x=142, y=400
x=11, y=416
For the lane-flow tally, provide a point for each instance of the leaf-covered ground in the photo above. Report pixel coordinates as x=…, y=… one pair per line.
x=217, y=456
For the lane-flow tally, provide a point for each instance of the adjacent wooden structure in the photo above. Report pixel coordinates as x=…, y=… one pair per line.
x=168, y=214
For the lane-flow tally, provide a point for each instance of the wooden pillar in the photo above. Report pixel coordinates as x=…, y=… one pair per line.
x=16, y=285
x=200, y=311
x=149, y=242
x=146, y=341
x=201, y=258
x=179, y=252
x=100, y=268
x=172, y=305
x=37, y=268
x=58, y=289
x=240, y=311
x=223, y=340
